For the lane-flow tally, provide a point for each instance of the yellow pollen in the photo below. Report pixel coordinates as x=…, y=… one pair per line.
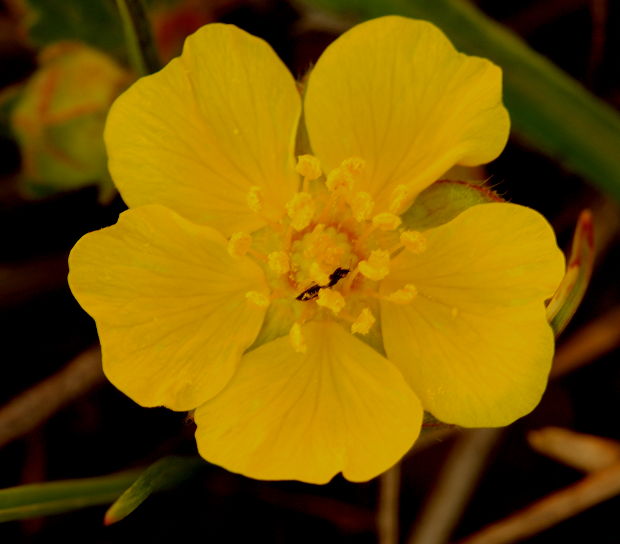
x=386, y=221
x=254, y=199
x=364, y=322
x=318, y=275
x=309, y=167
x=377, y=266
x=339, y=179
x=239, y=244
x=328, y=298
x=399, y=196
x=260, y=299
x=301, y=209
x=297, y=339
x=279, y=262
x=361, y=206
x=404, y=295
x=355, y=165
x=414, y=241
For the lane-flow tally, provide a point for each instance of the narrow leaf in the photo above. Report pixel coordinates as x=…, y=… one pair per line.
x=35, y=500
x=549, y=110
x=141, y=47
x=164, y=474
x=569, y=295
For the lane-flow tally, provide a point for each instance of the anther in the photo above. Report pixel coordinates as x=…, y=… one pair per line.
x=279, y=262
x=361, y=206
x=377, y=266
x=399, y=196
x=404, y=295
x=364, y=322
x=297, y=339
x=260, y=299
x=239, y=244
x=413, y=241
x=339, y=179
x=386, y=221
x=309, y=167
x=301, y=209
x=355, y=165
x=254, y=199
x=328, y=298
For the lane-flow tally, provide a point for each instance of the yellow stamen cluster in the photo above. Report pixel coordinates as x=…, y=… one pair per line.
x=279, y=262
x=413, y=241
x=386, y=221
x=301, y=210
x=364, y=322
x=297, y=339
x=239, y=244
x=318, y=275
x=404, y=295
x=328, y=298
x=377, y=266
x=254, y=199
x=309, y=167
x=260, y=299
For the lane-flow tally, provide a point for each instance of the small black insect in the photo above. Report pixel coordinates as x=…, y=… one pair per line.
x=313, y=291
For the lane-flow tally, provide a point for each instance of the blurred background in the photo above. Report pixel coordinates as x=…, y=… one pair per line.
x=62, y=63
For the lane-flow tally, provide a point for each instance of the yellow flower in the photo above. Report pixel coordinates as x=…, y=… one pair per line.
x=283, y=300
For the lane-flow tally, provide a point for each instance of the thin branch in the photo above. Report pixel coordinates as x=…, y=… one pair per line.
x=387, y=516
x=554, y=508
x=139, y=37
x=37, y=404
x=456, y=484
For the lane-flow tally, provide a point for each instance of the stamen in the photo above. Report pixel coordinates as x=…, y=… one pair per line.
x=339, y=179
x=309, y=167
x=361, y=206
x=260, y=299
x=414, y=241
x=239, y=244
x=377, y=266
x=355, y=165
x=364, y=322
x=297, y=339
x=399, y=196
x=328, y=298
x=386, y=221
x=254, y=199
x=318, y=275
x=301, y=209
x=279, y=262
x=404, y=295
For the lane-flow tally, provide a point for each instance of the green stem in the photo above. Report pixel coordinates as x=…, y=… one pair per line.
x=139, y=37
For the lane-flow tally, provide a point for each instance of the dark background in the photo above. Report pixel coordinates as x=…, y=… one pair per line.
x=42, y=328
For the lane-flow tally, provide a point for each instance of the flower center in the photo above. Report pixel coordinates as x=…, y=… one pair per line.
x=326, y=256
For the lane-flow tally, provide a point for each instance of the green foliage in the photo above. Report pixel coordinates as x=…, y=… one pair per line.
x=35, y=500
x=549, y=109
x=166, y=473
x=571, y=291
x=95, y=22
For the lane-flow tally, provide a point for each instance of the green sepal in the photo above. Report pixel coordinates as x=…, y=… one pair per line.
x=164, y=474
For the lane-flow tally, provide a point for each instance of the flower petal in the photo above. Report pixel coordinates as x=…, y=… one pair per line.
x=213, y=123
x=475, y=344
x=286, y=415
x=169, y=303
x=396, y=93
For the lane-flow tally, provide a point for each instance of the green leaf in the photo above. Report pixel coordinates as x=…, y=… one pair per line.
x=569, y=294
x=549, y=110
x=443, y=201
x=95, y=22
x=164, y=474
x=35, y=500
x=141, y=47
